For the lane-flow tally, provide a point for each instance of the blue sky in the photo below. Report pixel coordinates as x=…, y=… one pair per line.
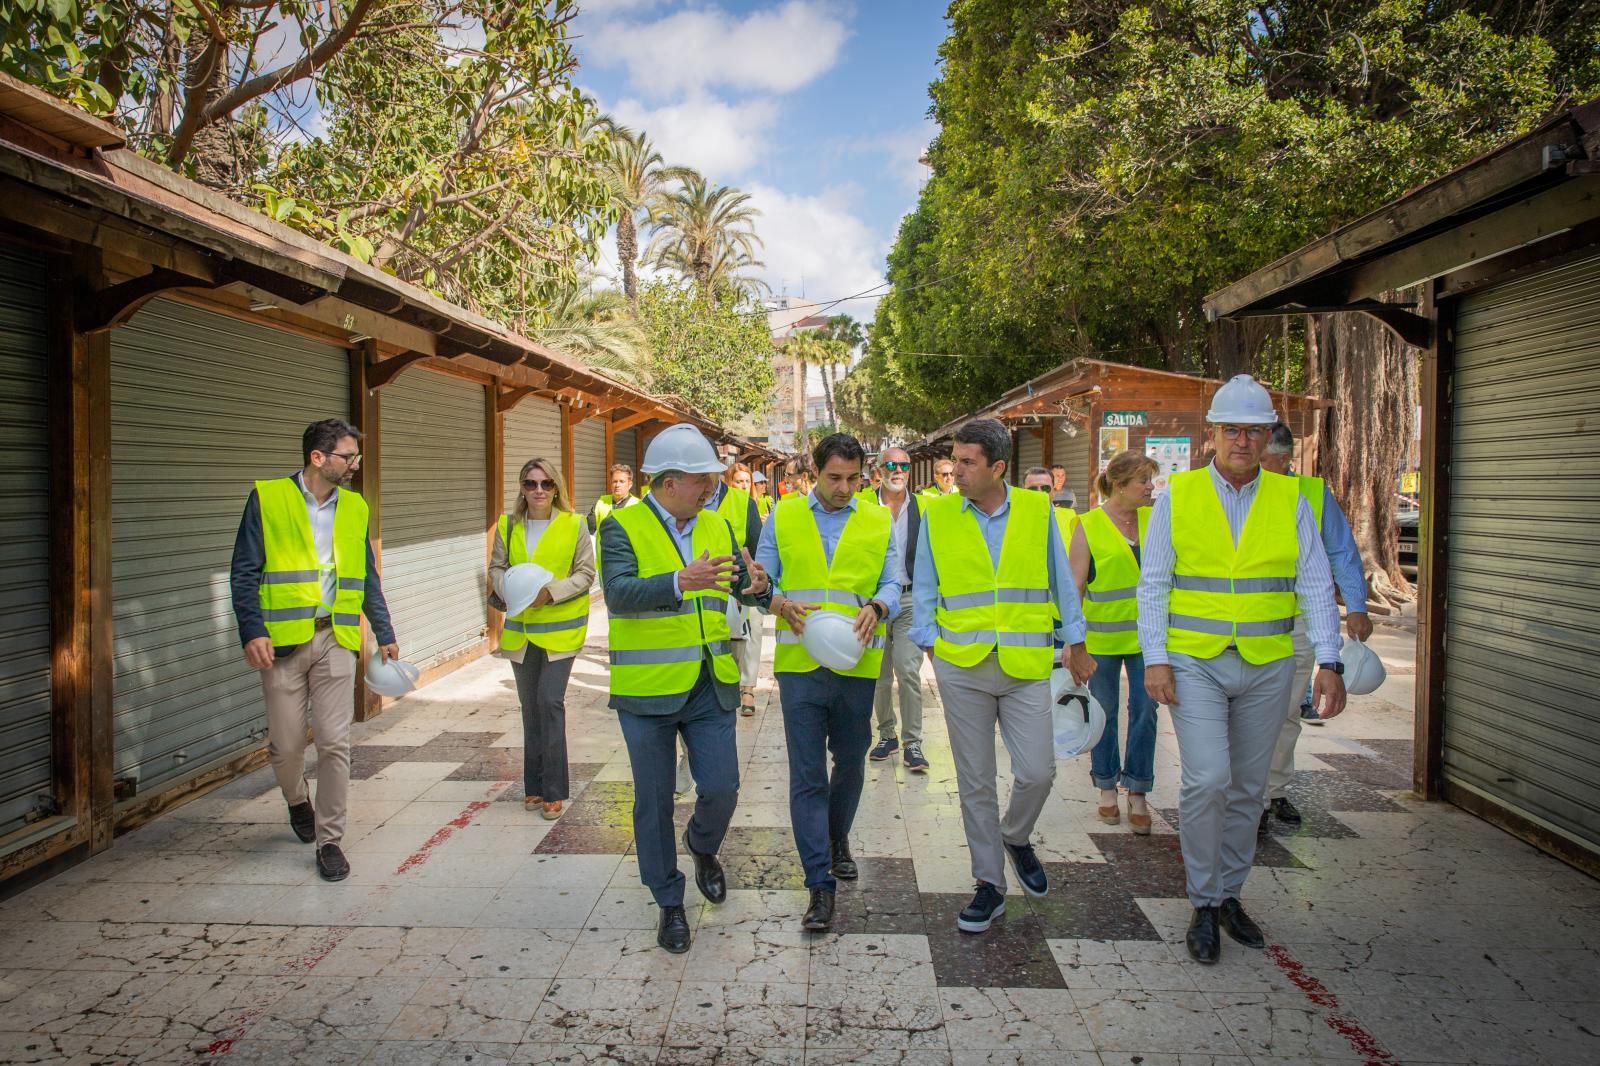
x=816, y=107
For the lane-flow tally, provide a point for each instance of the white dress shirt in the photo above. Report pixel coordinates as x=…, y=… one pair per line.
x=321, y=515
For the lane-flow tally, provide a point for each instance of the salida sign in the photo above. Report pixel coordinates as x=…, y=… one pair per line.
x=1136, y=419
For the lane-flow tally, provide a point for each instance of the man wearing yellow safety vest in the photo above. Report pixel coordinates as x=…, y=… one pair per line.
x=944, y=480
x=669, y=568
x=621, y=495
x=303, y=575
x=1231, y=553
x=992, y=582
x=902, y=658
x=828, y=552
x=1344, y=559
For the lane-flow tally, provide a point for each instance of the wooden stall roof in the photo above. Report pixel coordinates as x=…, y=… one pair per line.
x=201, y=239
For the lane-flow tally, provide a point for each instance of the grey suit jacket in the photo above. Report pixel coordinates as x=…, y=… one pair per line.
x=628, y=593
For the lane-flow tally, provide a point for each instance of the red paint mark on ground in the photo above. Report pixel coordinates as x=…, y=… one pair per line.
x=306, y=962
x=1366, y=1045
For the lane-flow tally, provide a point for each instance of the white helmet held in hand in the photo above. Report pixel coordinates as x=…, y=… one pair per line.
x=681, y=447
x=1242, y=402
x=1363, y=670
x=1076, y=717
x=393, y=678
x=522, y=585
x=830, y=639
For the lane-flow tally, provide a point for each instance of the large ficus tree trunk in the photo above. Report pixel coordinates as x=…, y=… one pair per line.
x=1365, y=436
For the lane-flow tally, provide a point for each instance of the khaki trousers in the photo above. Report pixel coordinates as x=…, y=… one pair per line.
x=902, y=660
x=316, y=681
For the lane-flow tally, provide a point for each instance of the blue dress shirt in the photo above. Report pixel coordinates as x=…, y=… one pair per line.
x=1343, y=556
x=831, y=525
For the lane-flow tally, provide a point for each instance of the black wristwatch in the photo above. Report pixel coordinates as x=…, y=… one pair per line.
x=883, y=612
x=1337, y=668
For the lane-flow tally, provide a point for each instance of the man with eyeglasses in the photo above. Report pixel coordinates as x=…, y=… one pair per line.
x=1231, y=554
x=303, y=575
x=902, y=657
x=944, y=480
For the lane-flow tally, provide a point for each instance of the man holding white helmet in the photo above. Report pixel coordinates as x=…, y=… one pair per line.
x=669, y=568
x=829, y=552
x=1231, y=554
x=1344, y=558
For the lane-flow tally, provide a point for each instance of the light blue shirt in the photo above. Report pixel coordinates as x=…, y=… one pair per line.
x=925, y=584
x=682, y=538
x=1343, y=555
x=830, y=524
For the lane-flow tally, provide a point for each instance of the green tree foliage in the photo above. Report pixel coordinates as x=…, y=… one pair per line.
x=716, y=356
x=1102, y=166
x=597, y=327
x=706, y=232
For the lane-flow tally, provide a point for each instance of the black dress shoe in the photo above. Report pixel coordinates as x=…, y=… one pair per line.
x=844, y=867
x=708, y=877
x=303, y=820
x=1266, y=822
x=331, y=863
x=820, y=914
x=1030, y=871
x=1205, y=945
x=1285, y=811
x=1239, y=925
x=673, y=933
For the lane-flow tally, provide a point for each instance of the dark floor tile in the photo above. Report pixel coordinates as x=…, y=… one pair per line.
x=1012, y=954
x=567, y=839
x=885, y=875
x=1317, y=824
x=1374, y=773
x=1091, y=912
x=474, y=739
x=369, y=760
x=763, y=871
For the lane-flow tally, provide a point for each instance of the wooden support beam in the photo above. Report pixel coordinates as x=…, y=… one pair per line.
x=611, y=452
x=509, y=398
x=381, y=373
x=1438, y=370
x=494, y=489
x=112, y=306
x=618, y=425
x=568, y=467
x=96, y=357
x=366, y=413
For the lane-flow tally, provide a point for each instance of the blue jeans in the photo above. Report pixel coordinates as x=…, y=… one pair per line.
x=652, y=740
x=1138, y=763
x=825, y=712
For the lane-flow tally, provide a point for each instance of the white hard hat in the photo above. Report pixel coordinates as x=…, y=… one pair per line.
x=1363, y=670
x=681, y=447
x=522, y=586
x=1242, y=401
x=393, y=678
x=831, y=640
x=1076, y=717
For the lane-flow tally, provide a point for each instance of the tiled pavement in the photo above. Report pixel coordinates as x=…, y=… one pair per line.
x=473, y=932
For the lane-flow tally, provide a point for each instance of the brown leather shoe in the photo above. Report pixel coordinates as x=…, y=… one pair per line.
x=530, y=802
x=552, y=811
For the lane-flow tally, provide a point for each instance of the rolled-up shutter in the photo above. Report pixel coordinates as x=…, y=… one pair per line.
x=589, y=463
x=532, y=431
x=26, y=786
x=434, y=517
x=623, y=447
x=1072, y=452
x=1030, y=452
x=202, y=405
x=1521, y=718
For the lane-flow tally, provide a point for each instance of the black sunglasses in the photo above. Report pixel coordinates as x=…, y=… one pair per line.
x=546, y=485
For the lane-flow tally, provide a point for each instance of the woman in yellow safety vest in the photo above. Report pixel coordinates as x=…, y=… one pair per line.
x=543, y=640
x=1104, y=554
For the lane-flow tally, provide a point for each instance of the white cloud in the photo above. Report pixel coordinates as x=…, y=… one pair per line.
x=820, y=243
x=777, y=50
x=719, y=139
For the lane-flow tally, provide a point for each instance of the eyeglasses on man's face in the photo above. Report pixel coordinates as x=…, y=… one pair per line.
x=902, y=467
x=1038, y=488
x=350, y=458
x=542, y=484
x=1250, y=432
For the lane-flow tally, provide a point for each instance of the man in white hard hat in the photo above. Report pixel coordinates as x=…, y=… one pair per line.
x=1231, y=554
x=1344, y=558
x=669, y=569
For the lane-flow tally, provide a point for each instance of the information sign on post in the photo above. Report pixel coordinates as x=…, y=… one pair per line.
x=1171, y=455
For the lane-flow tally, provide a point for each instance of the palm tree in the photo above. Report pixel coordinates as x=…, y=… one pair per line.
x=636, y=175
x=595, y=327
x=701, y=229
x=845, y=336
x=811, y=348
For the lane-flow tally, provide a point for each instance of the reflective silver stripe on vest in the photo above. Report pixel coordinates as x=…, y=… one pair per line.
x=989, y=636
x=289, y=577
x=985, y=599
x=686, y=607
x=1190, y=583
x=1129, y=626
x=713, y=601
x=346, y=619
x=352, y=584
x=788, y=636
x=1108, y=595
x=849, y=599
x=663, y=656
x=514, y=626
x=1273, y=628
x=1023, y=595
x=288, y=614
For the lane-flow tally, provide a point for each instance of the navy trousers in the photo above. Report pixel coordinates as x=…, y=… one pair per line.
x=824, y=712
x=707, y=732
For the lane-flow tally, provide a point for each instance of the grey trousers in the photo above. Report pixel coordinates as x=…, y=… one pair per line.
x=902, y=661
x=1305, y=661
x=1228, y=718
x=975, y=700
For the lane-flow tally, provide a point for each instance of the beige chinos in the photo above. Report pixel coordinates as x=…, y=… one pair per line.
x=315, y=680
x=902, y=662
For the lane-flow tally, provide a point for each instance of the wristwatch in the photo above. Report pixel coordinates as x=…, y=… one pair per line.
x=1337, y=668
x=883, y=612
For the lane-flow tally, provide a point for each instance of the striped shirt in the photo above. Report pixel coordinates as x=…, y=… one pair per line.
x=1313, y=585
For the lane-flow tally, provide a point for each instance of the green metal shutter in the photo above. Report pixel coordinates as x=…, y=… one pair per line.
x=532, y=431
x=434, y=473
x=1522, y=621
x=202, y=405
x=588, y=463
x=25, y=769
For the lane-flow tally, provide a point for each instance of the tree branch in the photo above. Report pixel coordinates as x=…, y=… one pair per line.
x=305, y=66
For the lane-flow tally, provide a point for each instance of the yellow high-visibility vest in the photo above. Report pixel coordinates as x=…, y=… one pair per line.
x=1312, y=489
x=1110, y=602
x=983, y=607
x=763, y=506
x=555, y=626
x=735, y=507
x=1224, y=594
x=844, y=586
x=658, y=653
x=291, y=580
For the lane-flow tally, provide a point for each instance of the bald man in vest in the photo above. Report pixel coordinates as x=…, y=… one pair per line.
x=303, y=575
x=1231, y=554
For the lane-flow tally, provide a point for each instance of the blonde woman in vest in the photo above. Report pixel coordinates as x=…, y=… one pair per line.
x=747, y=647
x=1105, y=565
x=542, y=641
